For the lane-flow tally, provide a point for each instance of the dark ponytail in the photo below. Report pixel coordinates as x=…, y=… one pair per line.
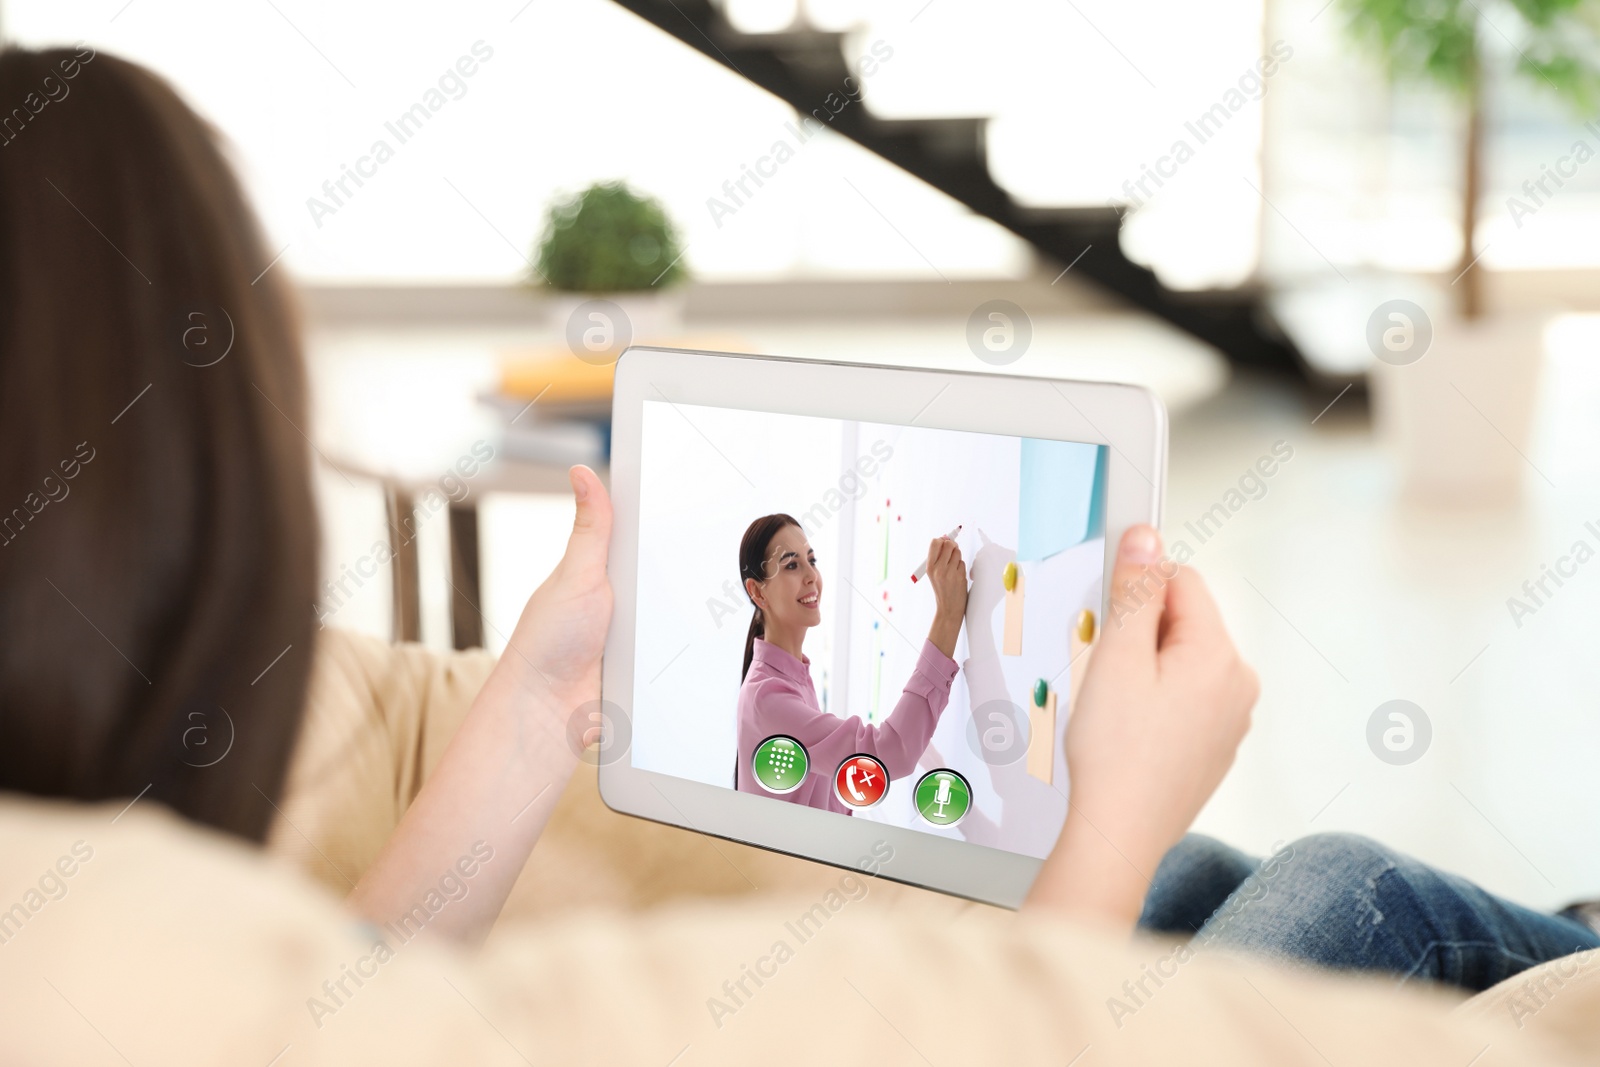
x=753, y=564
x=758, y=628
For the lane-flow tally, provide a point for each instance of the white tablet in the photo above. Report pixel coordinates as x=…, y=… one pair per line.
x=849, y=738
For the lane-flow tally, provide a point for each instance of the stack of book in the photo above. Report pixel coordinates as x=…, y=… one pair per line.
x=556, y=407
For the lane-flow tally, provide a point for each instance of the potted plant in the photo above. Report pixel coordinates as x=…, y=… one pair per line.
x=1454, y=408
x=609, y=243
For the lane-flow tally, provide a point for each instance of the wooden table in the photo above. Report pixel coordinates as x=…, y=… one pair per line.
x=401, y=494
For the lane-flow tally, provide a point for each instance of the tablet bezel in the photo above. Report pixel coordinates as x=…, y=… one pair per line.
x=959, y=400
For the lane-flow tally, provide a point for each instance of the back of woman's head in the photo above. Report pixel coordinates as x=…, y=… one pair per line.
x=157, y=533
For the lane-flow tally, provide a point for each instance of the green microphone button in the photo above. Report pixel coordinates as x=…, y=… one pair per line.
x=942, y=797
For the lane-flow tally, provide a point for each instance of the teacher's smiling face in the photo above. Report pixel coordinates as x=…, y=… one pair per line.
x=790, y=598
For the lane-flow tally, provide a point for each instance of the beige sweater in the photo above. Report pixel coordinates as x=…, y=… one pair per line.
x=134, y=939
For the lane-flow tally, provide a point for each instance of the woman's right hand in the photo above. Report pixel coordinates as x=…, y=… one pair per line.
x=1162, y=710
x=947, y=573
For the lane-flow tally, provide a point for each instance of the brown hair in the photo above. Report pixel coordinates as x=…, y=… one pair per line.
x=157, y=532
x=753, y=564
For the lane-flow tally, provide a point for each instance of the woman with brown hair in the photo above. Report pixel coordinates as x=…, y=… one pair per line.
x=182, y=560
x=158, y=564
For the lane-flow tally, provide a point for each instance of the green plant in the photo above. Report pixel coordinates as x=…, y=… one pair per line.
x=609, y=239
x=1441, y=42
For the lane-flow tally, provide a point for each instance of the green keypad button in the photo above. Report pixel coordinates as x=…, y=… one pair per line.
x=942, y=797
x=780, y=764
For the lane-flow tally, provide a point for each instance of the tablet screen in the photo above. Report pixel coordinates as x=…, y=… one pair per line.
x=837, y=697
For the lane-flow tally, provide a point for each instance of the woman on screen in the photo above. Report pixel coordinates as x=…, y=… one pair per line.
x=776, y=697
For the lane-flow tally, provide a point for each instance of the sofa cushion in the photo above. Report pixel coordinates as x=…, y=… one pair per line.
x=179, y=946
x=1559, y=1000
x=378, y=717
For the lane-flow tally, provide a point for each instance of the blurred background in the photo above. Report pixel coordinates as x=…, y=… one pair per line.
x=1368, y=231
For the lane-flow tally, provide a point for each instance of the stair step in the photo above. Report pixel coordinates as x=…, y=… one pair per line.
x=941, y=138
x=1086, y=219
x=784, y=42
x=823, y=70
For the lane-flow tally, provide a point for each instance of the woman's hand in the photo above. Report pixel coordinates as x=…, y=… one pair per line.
x=1163, y=708
x=947, y=573
x=555, y=649
x=504, y=770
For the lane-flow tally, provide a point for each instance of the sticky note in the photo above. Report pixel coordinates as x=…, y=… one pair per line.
x=1011, y=642
x=1059, y=503
x=1042, y=739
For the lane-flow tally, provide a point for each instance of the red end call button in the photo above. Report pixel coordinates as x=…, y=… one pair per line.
x=860, y=782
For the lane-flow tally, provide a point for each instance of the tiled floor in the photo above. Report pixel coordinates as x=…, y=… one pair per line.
x=1340, y=592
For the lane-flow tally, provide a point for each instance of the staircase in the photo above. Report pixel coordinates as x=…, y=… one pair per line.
x=803, y=67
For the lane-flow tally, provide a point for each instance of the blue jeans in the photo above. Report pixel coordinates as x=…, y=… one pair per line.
x=1343, y=902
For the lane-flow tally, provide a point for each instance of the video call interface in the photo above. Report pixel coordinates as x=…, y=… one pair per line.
x=849, y=708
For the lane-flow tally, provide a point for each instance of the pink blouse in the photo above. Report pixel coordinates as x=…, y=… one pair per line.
x=778, y=698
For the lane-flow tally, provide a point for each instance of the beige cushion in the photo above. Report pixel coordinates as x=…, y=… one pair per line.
x=171, y=945
x=1559, y=1000
x=379, y=717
